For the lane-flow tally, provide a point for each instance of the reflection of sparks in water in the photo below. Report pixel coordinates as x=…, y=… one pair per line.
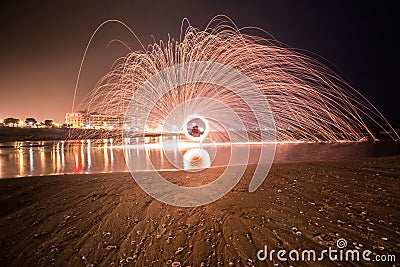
x=106, y=159
x=309, y=102
x=111, y=155
x=196, y=159
x=17, y=162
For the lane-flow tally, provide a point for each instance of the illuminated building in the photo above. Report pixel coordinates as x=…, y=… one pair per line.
x=93, y=120
x=74, y=120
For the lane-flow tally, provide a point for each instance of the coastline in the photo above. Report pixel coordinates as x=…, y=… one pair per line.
x=103, y=219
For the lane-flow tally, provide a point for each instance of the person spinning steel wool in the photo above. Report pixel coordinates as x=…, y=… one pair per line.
x=195, y=130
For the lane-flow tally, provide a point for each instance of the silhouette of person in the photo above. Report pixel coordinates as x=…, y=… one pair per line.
x=195, y=130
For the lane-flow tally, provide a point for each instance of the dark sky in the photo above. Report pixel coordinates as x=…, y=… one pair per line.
x=42, y=43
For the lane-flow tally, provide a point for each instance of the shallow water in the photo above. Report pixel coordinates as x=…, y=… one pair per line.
x=20, y=159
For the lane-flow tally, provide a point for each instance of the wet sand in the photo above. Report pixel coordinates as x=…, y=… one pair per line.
x=106, y=219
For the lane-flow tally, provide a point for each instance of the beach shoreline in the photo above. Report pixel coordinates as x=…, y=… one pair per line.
x=104, y=219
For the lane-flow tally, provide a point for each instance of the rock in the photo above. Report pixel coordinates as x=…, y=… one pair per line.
x=249, y=262
x=106, y=234
x=179, y=250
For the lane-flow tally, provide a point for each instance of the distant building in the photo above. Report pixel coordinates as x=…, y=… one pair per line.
x=103, y=121
x=74, y=120
x=93, y=120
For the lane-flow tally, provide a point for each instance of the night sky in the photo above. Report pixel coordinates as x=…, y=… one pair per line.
x=42, y=43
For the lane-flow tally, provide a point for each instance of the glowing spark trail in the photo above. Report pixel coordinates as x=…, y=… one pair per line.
x=309, y=102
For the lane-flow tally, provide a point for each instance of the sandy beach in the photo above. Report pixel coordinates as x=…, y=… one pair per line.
x=106, y=219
